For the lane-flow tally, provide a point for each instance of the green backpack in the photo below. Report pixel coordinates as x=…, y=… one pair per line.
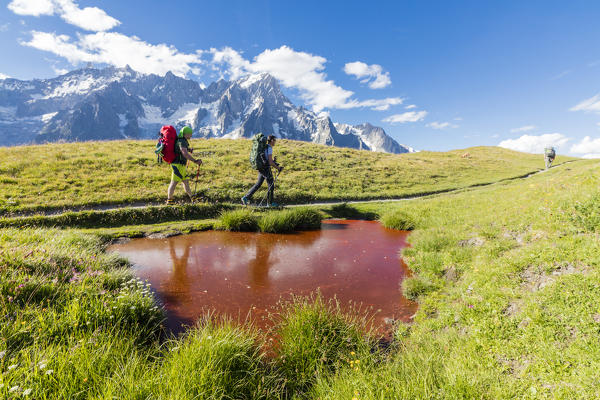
x=257, y=154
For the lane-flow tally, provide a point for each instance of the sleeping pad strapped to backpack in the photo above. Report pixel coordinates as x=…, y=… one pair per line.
x=165, y=148
x=257, y=154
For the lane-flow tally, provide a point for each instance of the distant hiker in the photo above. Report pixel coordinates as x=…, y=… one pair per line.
x=178, y=166
x=549, y=155
x=261, y=159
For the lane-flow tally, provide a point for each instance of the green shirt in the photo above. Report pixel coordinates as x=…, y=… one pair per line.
x=181, y=144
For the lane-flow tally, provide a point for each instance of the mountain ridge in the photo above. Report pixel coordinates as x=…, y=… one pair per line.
x=115, y=103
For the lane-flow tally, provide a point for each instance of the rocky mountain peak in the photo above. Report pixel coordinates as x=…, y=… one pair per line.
x=113, y=103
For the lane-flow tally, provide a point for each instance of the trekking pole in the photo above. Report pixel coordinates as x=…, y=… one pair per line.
x=196, y=184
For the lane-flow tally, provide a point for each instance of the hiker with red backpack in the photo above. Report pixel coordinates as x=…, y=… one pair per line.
x=175, y=149
x=261, y=159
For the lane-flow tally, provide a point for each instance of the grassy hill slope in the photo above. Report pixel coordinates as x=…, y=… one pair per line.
x=71, y=175
x=506, y=277
x=507, y=282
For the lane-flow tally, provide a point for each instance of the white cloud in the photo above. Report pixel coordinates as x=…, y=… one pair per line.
x=367, y=72
x=88, y=18
x=587, y=146
x=410, y=116
x=298, y=70
x=31, y=7
x=118, y=50
x=379, y=105
x=410, y=106
x=60, y=71
x=3, y=76
x=525, y=128
x=589, y=105
x=561, y=75
x=4, y=27
x=535, y=144
x=301, y=71
x=441, y=125
x=238, y=65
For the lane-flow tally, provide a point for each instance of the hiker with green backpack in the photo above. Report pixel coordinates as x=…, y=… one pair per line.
x=549, y=155
x=175, y=149
x=261, y=159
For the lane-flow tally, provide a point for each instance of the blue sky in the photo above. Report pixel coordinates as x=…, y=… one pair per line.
x=435, y=75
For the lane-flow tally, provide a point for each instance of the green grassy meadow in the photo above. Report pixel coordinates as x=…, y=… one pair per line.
x=506, y=277
x=78, y=175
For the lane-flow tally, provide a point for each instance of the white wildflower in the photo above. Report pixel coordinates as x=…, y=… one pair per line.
x=11, y=367
x=50, y=372
x=13, y=389
x=27, y=392
x=2, y=354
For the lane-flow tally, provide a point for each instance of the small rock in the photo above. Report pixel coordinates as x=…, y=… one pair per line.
x=451, y=274
x=523, y=324
x=512, y=309
x=476, y=241
x=157, y=236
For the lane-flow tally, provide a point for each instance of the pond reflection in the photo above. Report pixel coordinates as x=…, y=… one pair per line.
x=235, y=273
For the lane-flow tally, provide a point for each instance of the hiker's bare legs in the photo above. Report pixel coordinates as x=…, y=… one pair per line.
x=173, y=184
x=186, y=186
x=171, y=190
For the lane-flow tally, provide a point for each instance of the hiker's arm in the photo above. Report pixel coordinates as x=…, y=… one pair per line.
x=272, y=163
x=188, y=156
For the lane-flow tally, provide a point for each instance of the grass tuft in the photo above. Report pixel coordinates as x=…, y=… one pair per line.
x=345, y=211
x=316, y=339
x=214, y=361
x=398, y=219
x=416, y=286
x=240, y=220
x=290, y=220
x=586, y=214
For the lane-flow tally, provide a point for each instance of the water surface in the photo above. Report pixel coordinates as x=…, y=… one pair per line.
x=237, y=273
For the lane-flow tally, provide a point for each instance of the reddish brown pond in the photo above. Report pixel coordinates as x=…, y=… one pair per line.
x=236, y=273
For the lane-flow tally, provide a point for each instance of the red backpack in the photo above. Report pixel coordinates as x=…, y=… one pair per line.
x=165, y=148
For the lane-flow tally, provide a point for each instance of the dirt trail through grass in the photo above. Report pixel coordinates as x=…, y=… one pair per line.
x=142, y=204
x=77, y=176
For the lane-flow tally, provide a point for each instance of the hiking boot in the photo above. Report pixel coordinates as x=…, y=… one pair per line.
x=245, y=201
x=170, y=202
x=273, y=205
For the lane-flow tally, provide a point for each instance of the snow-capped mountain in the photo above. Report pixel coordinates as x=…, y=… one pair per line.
x=115, y=103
